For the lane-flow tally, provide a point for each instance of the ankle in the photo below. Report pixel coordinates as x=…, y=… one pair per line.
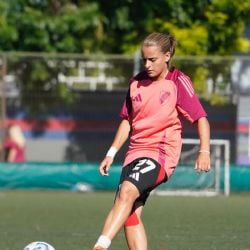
x=103, y=241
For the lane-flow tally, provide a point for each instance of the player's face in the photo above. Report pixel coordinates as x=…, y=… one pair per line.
x=154, y=61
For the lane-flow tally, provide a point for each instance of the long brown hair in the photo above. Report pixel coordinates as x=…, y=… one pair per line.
x=164, y=41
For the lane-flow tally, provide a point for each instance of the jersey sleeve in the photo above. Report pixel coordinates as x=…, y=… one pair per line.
x=188, y=104
x=126, y=107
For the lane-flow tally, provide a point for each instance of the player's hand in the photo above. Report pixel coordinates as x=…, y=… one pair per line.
x=105, y=165
x=202, y=162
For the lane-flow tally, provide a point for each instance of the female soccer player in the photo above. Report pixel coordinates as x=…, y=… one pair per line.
x=14, y=145
x=156, y=99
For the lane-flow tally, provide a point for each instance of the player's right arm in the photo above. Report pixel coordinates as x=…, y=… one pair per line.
x=121, y=136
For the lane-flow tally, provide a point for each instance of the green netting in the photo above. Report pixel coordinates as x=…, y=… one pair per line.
x=85, y=177
x=185, y=177
x=56, y=176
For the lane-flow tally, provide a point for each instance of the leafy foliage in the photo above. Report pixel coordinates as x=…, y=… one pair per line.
x=202, y=27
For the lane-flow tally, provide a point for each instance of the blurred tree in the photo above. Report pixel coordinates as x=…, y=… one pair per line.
x=82, y=26
x=51, y=26
x=8, y=32
x=202, y=28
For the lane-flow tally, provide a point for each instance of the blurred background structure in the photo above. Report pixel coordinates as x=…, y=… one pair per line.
x=72, y=113
x=65, y=67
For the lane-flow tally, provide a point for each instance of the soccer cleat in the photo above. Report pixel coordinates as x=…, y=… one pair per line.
x=99, y=248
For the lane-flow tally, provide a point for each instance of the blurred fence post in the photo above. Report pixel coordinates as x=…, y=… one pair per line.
x=3, y=97
x=248, y=145
x=3, y=67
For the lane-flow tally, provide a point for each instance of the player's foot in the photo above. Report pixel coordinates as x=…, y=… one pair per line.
x=99, y=248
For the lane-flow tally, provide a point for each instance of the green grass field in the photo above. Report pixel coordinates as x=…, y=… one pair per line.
x=72, y=221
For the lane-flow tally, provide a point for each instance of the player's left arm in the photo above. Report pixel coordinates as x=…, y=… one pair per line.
x=188, y=104
x=203, y=158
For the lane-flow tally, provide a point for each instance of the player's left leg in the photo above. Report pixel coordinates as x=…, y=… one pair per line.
x=135, y=232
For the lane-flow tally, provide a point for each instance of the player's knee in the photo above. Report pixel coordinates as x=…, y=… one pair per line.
x=128, y=194
x=132, y=220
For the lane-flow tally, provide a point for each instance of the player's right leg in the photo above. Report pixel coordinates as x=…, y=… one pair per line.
x=117, y=216
x=122, y=208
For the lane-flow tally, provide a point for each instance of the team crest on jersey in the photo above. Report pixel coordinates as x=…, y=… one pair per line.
x=164, y=95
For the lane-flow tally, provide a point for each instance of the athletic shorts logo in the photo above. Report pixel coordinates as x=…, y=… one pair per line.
x=142, y=167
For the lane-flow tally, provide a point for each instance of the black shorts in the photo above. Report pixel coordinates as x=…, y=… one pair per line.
x=146, y=174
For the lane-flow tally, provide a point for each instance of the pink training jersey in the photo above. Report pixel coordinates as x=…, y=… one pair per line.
x=154, y=109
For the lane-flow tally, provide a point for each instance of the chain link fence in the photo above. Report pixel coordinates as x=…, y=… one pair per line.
x=60, y=96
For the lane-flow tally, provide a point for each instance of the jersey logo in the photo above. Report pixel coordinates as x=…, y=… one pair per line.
x=142, y=167
x=136, y=98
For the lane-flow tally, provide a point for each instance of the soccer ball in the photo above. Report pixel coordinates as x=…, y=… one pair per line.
x=39, y=245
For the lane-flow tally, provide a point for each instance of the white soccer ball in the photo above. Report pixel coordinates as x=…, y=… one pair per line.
x=39, y=245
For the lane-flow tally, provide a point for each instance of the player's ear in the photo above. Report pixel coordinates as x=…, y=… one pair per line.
x=167, y=56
